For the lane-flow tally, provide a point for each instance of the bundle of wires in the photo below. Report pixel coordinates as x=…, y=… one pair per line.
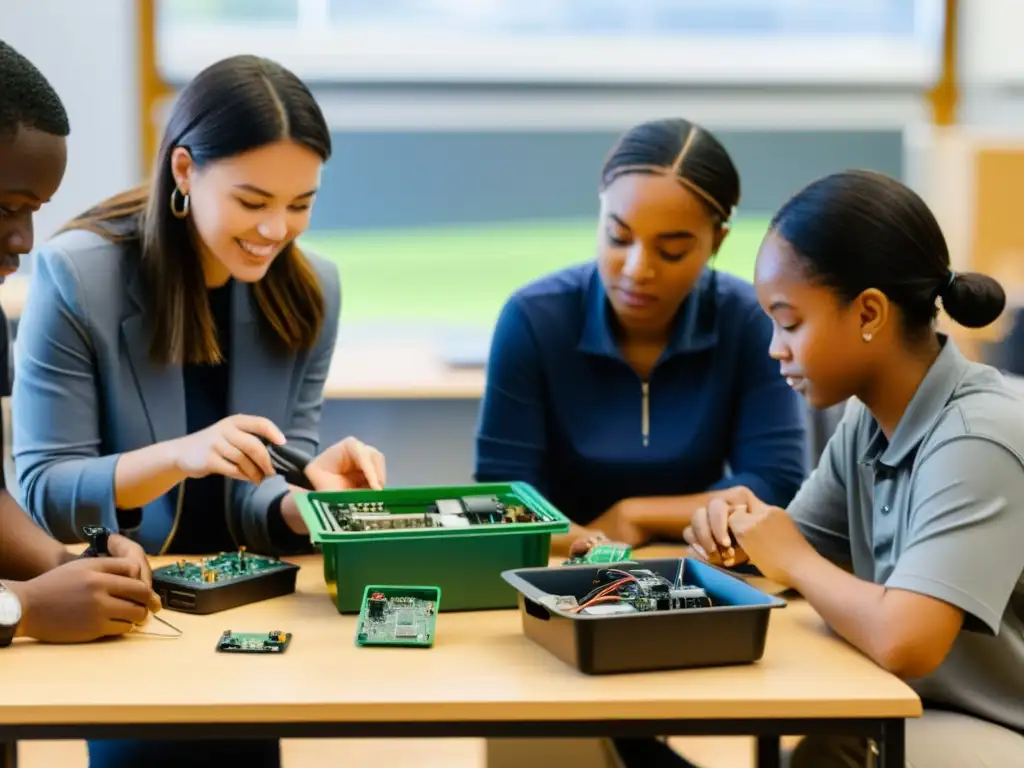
x=626, y=587
x=611, y=592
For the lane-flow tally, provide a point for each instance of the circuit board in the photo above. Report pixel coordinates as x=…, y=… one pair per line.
x=402, y=616
x=465, y=512
x=638, y=590
x=226, y=566
x=254, y=642
x=602, y=554
x=223, y=581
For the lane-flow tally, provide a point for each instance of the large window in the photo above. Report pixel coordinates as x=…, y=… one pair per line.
x=440, y=200
x=656, y=41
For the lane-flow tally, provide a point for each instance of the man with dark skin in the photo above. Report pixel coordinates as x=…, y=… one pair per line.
x=46, y=592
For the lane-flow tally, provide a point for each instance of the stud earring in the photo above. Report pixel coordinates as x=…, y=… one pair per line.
x=180, y=210
x=867, y=337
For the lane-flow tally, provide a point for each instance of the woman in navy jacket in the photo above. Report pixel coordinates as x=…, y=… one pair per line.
x=629, y=389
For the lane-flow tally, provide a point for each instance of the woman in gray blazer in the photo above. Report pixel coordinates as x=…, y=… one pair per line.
x=173, y=327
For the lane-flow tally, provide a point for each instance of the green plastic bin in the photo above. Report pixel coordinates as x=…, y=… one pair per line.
x=465, y=563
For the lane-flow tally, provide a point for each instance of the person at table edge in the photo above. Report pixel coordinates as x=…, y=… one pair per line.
x=47, y=593
x=906, y=538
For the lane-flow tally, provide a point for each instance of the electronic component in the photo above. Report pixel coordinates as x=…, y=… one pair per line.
x=225, y=581
x=466, y=512
x=618, y=591
x=254, y=642
x=689, y=597
x=608, y=609
x=603, y=554
x=402, y=616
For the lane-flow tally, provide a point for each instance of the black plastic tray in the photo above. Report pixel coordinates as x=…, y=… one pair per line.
x=732, y=631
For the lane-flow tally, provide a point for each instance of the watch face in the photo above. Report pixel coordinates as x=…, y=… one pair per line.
x=10, y=609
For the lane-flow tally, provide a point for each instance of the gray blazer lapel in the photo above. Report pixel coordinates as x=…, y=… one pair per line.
x=260, y=380
x=161, y=388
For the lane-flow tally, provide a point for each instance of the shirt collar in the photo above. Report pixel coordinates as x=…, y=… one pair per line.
x=695, y=327
x=924, y=410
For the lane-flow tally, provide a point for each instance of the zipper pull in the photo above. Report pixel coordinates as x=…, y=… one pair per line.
x=645, y=412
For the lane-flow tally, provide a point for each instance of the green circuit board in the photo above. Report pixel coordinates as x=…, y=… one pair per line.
x=463, y=512
x=254, y=642
x=603, y=554
x=218, y=569
x=398, y=616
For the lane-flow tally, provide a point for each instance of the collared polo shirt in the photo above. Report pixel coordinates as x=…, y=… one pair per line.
x=938, y=510
x=564, y=411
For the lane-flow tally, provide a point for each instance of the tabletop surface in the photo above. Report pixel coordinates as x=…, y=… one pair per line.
x=480, y=668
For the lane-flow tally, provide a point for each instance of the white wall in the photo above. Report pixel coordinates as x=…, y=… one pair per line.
x=992, y=65
x=86, y=49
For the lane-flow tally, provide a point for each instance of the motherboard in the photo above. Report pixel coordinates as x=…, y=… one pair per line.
x=465, y=512
x=398, y=616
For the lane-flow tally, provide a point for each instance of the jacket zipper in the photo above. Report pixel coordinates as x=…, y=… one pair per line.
x=645, y=412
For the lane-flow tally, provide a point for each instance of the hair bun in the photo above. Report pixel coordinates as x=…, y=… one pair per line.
x=972, y=299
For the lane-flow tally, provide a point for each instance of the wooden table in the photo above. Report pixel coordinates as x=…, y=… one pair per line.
x=482, y=678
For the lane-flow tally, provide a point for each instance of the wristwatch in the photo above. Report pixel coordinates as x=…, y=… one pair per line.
x=10, y=615
x=97, y=537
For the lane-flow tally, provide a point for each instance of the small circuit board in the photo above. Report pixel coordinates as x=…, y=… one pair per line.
x=639, y=590
x=223, y=581
x=398, y=616
x=254, y=642
x=465, y=512
x=603, y=554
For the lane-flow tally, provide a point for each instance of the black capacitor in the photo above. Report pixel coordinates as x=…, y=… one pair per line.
x=376, y=608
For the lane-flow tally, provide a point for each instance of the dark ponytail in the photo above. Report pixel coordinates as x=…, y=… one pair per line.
x=860, y=229
x=972, y=299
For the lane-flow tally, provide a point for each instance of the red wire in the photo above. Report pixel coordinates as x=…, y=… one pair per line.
x=605, y=592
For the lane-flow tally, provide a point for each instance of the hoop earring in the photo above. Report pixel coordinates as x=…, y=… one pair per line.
x=867, y=337
x=179, y=211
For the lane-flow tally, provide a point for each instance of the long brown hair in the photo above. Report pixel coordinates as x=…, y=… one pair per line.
x=234, y=106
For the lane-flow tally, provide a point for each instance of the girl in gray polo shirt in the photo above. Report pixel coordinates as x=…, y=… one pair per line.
x=908, y=538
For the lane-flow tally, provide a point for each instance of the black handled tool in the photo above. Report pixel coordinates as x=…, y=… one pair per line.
x=290, y=463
